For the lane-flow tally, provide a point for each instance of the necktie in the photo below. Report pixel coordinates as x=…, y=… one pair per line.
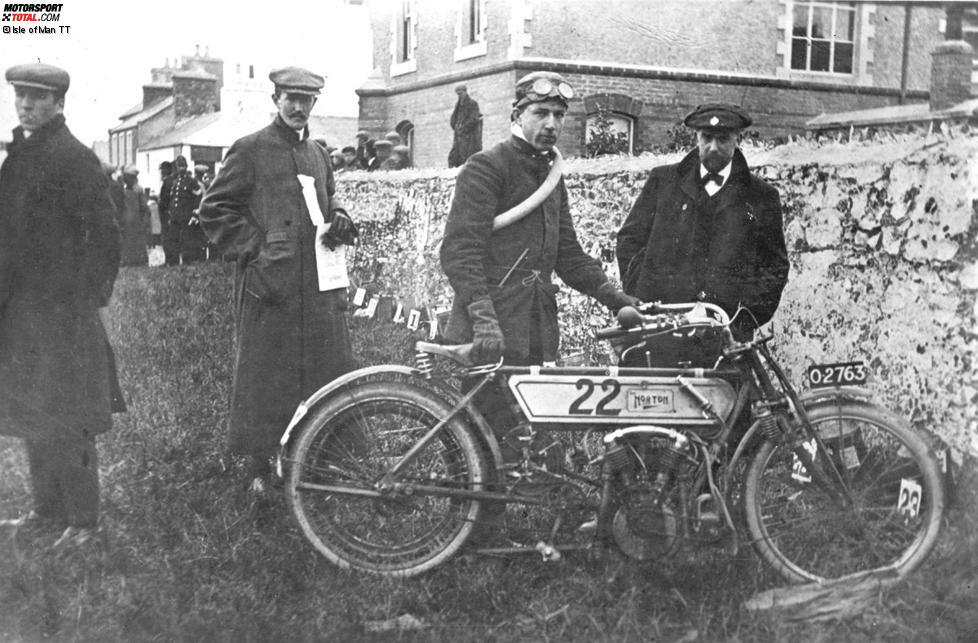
x=713, y=176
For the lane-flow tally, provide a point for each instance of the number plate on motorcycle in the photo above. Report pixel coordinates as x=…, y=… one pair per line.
x=600, y=398
x=842, y=374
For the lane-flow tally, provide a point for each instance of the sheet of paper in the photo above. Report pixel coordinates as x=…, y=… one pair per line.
x=330, y=264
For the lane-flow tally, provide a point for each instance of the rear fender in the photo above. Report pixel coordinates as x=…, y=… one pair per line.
x=352, y=378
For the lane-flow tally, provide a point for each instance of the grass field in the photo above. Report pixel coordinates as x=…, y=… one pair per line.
x=188, y=555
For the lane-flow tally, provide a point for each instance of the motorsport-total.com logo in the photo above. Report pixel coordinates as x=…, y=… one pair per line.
x=31, y=12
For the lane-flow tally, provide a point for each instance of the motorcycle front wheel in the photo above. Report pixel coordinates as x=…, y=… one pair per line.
x=887, y=515
x=347, y=445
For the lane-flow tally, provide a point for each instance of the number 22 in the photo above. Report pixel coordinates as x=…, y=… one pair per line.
x=611, y=388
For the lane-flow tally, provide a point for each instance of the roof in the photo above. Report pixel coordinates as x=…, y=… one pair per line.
x=186, y=132
x=220, y=129
x=891, y=115
x=138, y=117
x=194, y=73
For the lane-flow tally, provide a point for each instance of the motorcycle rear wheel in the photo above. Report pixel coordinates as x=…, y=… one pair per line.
x=345, y=447
x=893, y=478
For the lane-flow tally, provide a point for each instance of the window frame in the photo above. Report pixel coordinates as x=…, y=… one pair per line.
x=832, y=40
x=404, y=38
x=468, y=45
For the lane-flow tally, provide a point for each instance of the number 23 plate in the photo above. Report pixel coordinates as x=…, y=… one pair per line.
x=841, y=374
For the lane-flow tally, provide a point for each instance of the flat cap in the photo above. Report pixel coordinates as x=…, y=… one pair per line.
x=297, y=80
x=720, y=116
x=383, y=143
x=362, y=134
x=201, y=167
x=130, y=169
x=39, y=75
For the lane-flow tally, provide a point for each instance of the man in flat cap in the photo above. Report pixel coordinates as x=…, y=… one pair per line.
x=271, y=207
x=466, y=123
x=59, y=255
x=382, y=153
x=364, y=150
x=707, y=229
x=501, y=269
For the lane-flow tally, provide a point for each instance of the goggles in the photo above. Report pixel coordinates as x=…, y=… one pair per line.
x=544, y=88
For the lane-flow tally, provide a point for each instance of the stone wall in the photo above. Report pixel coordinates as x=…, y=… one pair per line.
x=882, y=241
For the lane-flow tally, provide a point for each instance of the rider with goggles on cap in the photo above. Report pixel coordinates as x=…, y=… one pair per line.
x=505, y=299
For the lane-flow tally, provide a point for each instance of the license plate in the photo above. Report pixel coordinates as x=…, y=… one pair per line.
x=651, y=400
x=842, y=374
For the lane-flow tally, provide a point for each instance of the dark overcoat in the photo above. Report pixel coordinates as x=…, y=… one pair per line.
x=59, y=255
x=291, y=338
x=466, y=122
x=679, y=244
x=476, y=259
x=134, y=222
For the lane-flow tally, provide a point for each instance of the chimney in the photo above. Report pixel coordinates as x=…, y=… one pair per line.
x=950, y=74
x=155, y=92
x=195, y=92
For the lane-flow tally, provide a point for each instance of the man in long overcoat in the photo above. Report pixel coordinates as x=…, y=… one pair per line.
x=505, y=299
x=269, y=207
x=707, y=229
x=59, y=255
x=466, y=122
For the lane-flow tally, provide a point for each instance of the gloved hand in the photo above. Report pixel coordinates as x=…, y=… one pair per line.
x=487, y=336
x=342, y=231
x=615, y=299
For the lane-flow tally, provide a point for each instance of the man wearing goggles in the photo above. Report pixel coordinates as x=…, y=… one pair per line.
x=505, y=299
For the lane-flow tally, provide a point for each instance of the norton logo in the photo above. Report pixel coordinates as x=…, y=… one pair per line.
x=32, y=12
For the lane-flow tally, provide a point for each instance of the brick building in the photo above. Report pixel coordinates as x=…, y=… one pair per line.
x=642, y=63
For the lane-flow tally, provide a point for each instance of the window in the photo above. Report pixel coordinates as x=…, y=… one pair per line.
x=405, y=32
x=130, y=150
x=473, y=27
x=609, y=132
x=404, y=38
x=470, y=31
x=823, y=37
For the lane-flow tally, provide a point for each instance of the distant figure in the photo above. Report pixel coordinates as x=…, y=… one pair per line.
x=364, y=149
x=59, y=255
x=350, y=161
x=382, y=152
x=184, y=197
x=153, y=202
x=336, y=158
x=169, y=234
x=399, y=158
x=466, y=122
x=133, y=219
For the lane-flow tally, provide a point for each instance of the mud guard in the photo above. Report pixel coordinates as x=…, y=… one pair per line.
x=811, y=397
x=484, y=432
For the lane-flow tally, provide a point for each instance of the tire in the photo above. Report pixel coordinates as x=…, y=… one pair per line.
x=806, y=535
x=350, y=441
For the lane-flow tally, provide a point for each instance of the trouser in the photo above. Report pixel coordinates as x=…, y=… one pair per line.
x=496, y=403
x=65, y=480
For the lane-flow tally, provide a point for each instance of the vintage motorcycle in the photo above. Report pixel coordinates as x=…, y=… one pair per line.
x=392, y=470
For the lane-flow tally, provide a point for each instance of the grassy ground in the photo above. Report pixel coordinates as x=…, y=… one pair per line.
x=189, y=556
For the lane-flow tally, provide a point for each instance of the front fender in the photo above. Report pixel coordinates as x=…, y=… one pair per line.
x=841, y=393
x=353, y=377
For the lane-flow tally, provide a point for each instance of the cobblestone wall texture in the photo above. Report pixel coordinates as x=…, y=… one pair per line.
x=882, y=242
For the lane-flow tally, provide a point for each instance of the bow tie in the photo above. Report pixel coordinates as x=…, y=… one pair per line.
x=713, y=176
